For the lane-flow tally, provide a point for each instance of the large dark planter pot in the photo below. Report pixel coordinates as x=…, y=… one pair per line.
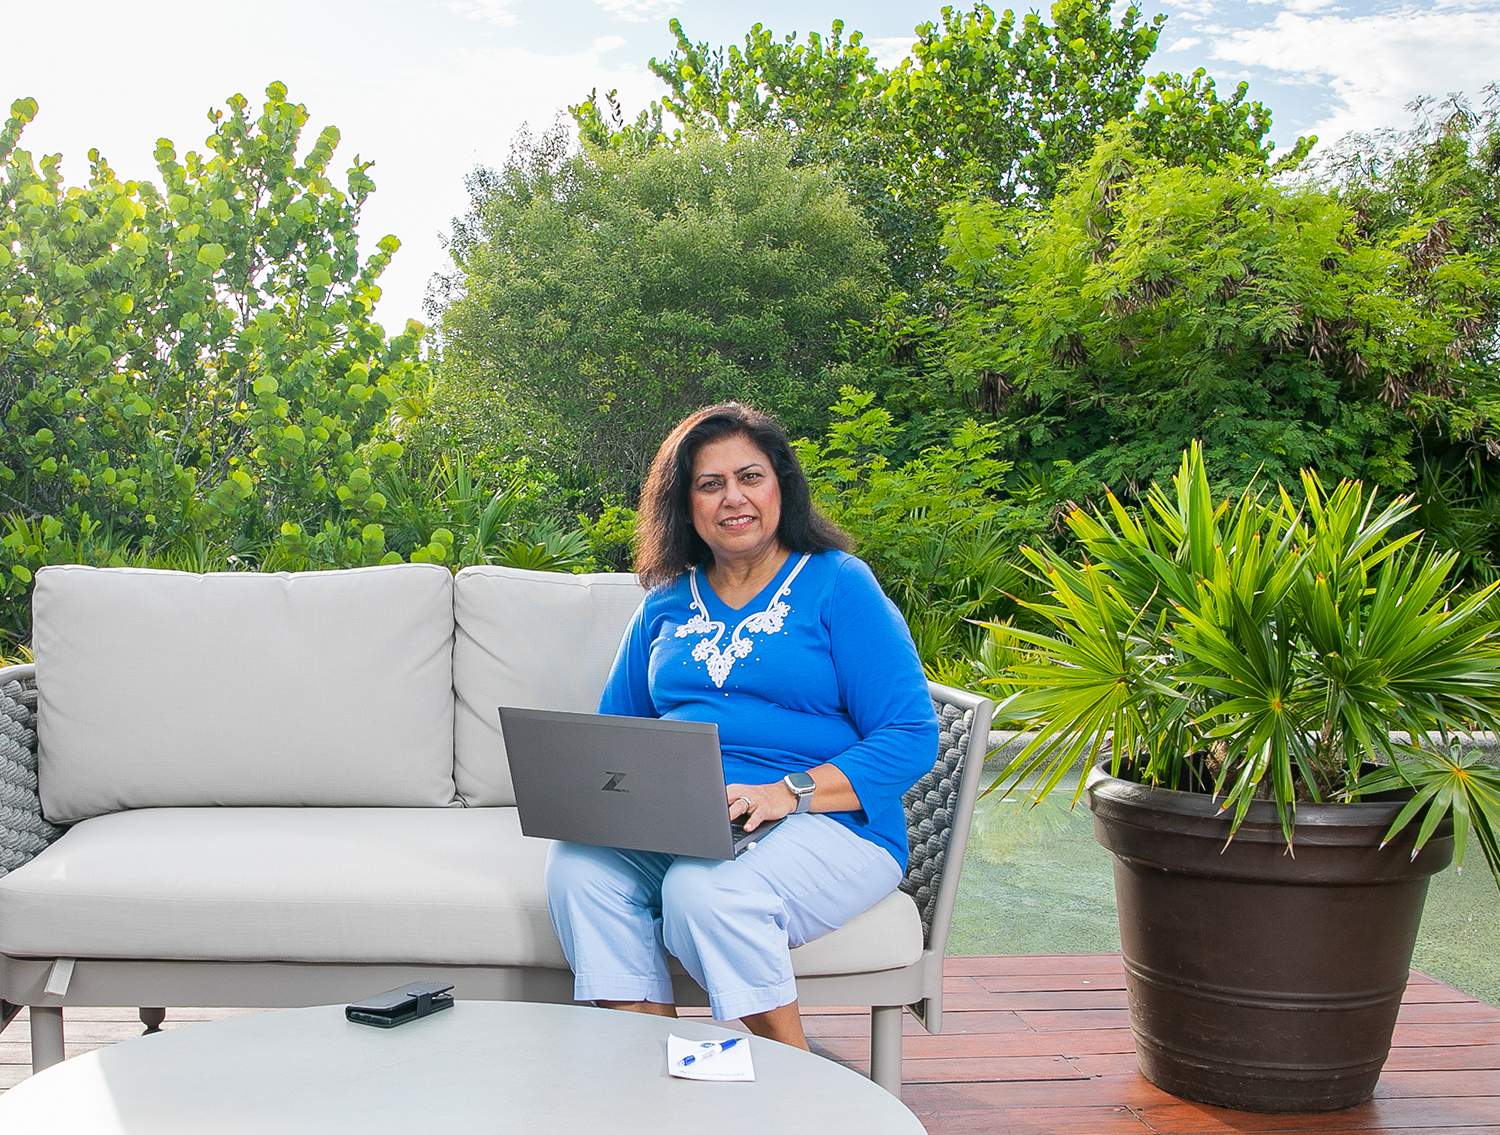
x=1259, y=980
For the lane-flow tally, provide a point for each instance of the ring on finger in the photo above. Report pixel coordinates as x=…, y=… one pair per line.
x=749, y=807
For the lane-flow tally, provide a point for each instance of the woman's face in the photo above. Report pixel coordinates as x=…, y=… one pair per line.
x=735, y=498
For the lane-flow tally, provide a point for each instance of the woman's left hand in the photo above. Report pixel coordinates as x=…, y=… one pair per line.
x=760, y=803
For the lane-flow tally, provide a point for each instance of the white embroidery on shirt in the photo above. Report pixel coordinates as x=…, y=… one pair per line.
x=768, y=621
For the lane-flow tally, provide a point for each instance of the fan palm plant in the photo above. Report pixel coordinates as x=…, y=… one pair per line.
x=1259, y=649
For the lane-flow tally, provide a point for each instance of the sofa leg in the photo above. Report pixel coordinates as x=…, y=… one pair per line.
x=46, y=1036
x=885, y=1047
x=152, y=1019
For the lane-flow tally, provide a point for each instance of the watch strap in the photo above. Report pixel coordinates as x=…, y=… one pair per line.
x=804, y=795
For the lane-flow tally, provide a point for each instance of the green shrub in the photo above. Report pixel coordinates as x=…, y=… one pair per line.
x=939, y=530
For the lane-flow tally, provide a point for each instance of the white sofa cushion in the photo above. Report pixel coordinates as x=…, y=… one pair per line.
x=887, y=936
x=442, y=886
x=161, y=689
x=543, y=640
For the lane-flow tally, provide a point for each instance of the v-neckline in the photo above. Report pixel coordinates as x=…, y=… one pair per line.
x=759, y=596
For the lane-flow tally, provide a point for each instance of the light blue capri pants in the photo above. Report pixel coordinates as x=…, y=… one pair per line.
x=731, y=923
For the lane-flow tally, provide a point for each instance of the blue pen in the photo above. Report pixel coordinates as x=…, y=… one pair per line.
x=710, y=1048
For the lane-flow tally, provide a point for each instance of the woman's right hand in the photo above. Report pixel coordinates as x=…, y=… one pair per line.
x=759, y=803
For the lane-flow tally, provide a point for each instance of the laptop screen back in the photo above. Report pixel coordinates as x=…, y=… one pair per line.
x=631, y=782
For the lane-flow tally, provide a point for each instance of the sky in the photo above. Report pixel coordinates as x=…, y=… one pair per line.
x=430, y=89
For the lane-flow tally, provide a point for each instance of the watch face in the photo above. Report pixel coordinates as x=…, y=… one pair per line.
x=800, y=782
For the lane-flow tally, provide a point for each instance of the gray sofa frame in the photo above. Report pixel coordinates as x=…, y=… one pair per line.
x=938, y=810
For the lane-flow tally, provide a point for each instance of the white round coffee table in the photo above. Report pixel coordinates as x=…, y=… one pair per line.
x=488, y=1066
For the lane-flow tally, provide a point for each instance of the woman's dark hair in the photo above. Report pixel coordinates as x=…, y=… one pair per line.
x=666, y=544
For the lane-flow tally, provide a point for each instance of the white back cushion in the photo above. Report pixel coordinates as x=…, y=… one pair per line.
x=171, y=689
x=543, y=640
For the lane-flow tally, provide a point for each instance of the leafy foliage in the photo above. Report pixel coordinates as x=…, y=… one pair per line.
x=196, y=361
x=597, y=298
x=1433, y=191
x=937, y=529
x=989, y=106
x=190, y=375
x=1150, y=305
x=1259, y=650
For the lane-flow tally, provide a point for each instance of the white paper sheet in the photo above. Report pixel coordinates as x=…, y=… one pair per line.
x=731, y=1065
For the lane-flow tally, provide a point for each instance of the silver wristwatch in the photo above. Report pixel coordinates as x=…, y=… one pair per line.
x=802, y=787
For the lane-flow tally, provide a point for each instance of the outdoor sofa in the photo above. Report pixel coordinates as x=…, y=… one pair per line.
x=282, y=790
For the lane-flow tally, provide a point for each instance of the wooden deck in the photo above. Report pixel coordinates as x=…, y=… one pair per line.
x=1041, y=1046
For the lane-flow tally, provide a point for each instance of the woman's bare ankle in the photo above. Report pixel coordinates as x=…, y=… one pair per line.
x=652, y=1008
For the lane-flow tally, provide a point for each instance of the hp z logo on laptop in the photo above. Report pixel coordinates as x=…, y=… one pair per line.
x=613, y=783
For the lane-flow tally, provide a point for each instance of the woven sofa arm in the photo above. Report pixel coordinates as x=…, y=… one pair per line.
x=940, y=806
x=23, y=832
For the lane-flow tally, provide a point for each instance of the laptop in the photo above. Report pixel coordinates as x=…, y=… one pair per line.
x=631, y=782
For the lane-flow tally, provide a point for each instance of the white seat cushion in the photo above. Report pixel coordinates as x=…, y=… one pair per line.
x=887, y=936
x=171, y=689
x=393, y=885
x=440, y=885
x=542, y=640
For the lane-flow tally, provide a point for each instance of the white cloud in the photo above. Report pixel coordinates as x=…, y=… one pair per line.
x=1192, y=11
x=1186, y=43
x=501, y=13
x=1372, y=65
x=1304, y=7
x=889, y=50
x=639, y=11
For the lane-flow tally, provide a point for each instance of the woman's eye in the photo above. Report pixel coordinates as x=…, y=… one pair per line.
x=751, y=477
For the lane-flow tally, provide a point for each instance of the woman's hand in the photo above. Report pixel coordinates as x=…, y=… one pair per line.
x=760, y=803
x=766, y=802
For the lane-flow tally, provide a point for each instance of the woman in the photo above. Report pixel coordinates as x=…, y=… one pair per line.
x=760, y=621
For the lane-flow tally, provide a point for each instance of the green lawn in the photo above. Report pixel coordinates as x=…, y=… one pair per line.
x=1035, y=882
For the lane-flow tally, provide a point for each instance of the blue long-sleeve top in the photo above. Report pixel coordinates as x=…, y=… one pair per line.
x=819, y=667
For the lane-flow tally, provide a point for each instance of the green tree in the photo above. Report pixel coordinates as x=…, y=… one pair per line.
x=597, y=297
x=1150, y=304
x=989, y=106
x=191, y=370
x=1433, y=191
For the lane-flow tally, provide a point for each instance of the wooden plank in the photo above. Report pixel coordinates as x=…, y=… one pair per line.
x=1004, y=966
x=1444, y=1035
x=955, y=1023
x=944, y=1113
x=996, y=1045
x=1430, y=1083
x=1449, y=1012
x=953, y=984
x=1449, y=1116
x=963, y=1070
x=1164, y=1113
x=1071, y=1020
x=1431, y=992
x=1460, y=1058
x=1034, y=1121
x=1030, y=983
x=1453, y=1058
x=1044, y=999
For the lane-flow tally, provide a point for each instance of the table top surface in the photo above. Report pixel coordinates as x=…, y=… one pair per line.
x=482, y=1065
